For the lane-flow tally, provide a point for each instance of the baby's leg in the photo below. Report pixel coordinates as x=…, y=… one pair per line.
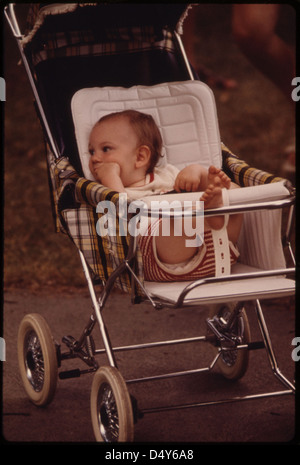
x=235, y=222
x=212, y=198
x=173, y=248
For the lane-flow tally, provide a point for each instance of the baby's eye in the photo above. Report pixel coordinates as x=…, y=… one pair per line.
x=91, y=151
x=106, y=148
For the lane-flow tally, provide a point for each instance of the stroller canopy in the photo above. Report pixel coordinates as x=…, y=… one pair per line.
x=101, y=18
x=73, y=46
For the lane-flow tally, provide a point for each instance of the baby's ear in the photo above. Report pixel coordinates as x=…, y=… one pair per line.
x=143, y=156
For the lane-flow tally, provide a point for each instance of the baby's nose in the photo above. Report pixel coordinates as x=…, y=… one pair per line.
x=96, y=157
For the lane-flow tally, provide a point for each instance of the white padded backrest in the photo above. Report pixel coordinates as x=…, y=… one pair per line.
x=185, y=113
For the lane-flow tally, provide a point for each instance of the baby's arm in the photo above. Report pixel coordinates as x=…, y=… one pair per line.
x=108, y=174
x=192, y=178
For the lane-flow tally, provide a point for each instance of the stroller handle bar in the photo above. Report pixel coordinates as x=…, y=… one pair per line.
x=167, y=213
x=14, y=25
x=268, y=196
x=9, y=12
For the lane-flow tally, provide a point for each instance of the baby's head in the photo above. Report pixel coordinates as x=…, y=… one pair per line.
x=146, y=131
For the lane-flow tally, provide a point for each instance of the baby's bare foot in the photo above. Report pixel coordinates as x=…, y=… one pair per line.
x=212, y=198
x=214, y=172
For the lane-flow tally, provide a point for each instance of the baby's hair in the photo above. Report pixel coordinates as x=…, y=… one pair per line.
x=146, y=131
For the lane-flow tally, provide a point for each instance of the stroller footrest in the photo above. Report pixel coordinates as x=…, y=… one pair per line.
x=256, y=345
x=75, y=373
x=69, y=374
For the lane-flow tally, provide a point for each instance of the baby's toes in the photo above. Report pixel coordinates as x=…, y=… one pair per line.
x=213, y=170
x=225, y=179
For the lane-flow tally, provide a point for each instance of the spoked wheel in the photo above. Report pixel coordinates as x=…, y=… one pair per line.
x=37, y=359
x=111, y=408
x=233, y=363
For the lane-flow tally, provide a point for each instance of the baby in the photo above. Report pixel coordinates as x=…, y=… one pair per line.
x=125, y=148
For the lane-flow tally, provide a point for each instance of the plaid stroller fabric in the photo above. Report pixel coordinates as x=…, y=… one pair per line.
x=75, y=202
x=244, y=175
x=90, y=41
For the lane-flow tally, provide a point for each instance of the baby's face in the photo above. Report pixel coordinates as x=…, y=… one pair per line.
x=115, y=141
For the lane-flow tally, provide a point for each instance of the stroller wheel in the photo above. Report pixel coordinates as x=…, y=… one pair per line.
x=111, y=408
x=37, y=359
x=233, y=363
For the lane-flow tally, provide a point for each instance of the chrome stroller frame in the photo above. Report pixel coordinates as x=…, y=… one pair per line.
x=109, y=391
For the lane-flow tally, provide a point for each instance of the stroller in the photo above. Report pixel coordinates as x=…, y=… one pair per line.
x=84, y=61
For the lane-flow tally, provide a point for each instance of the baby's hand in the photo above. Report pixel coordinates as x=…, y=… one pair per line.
x=108, y=174
x=104, y=170
x=188, y=179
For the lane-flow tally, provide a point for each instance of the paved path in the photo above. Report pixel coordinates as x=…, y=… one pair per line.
x=67, y=418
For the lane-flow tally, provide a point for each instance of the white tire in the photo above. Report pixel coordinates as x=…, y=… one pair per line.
x=111, y=408
x=37, y=359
